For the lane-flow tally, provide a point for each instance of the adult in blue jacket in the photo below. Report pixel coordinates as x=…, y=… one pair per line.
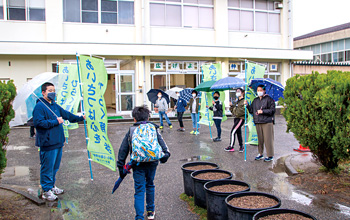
x=48, y=118
x=180, y=106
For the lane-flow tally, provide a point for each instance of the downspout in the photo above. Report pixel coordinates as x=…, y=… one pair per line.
x=144, y=82
x=290, y=24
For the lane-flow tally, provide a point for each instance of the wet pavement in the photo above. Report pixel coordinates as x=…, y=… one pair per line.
x=84, y=199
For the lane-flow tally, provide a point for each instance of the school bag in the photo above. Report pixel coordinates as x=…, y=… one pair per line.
x=144, y=143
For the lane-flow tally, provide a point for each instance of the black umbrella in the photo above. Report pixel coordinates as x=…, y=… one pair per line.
x=153, y=95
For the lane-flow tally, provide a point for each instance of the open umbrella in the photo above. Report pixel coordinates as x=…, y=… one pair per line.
x=228, y=83
x=172, y=92
x=273, y=88
x=186, y=94
x=205, y=86
x=25, y=100
x=153, y=95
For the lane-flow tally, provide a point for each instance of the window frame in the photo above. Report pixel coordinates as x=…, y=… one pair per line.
x=255, y=10
x=99, y=14
x=182, y=5
x=6, y=12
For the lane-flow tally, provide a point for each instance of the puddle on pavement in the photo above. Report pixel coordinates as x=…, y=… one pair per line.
x=197, y=158
x=69, y=209
x=11, y=147
x=204, y=146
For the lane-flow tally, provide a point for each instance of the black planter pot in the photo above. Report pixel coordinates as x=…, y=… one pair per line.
x=236, y=213
x=198, y=186
x=280, y=211
x=216, y=207
x=186, y=173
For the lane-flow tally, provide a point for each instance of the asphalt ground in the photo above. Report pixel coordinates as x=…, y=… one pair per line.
x=88, y=199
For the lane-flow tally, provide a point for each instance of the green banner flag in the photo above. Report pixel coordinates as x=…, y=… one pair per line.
x=211, y=72
x=252, y=71
x=69, y=96
x=94, y=79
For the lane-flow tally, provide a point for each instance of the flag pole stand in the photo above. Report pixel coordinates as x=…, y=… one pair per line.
x=82, y=110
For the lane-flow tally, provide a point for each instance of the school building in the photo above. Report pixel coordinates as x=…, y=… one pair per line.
x=330, y=47
x=147, y=43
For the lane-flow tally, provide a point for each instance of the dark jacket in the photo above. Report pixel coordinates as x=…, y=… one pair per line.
x=197, y=104
x=50, y=133
x=217, y=109
x=267, y=105
x=126, y=148
x=237, y=109
x=181, y=105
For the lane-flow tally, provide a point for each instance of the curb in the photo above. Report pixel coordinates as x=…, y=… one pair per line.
x=32, y=198
x=289, y=168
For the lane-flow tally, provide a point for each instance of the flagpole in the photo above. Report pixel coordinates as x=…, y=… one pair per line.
x=245, y=112
x=82, y=110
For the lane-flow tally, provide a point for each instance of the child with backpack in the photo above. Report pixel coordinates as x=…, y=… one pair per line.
x=146, y=147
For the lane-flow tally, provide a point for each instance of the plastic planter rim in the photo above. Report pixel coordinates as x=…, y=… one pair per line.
x=224, y=181
x=183, y=167
x=281, y=211
x=241, y=194
x=195, y=173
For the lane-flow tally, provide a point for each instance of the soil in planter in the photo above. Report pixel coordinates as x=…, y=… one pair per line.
x=285, y=216
x=200, y=167
x=228, y=188
x=212, y=176
x=253, y=202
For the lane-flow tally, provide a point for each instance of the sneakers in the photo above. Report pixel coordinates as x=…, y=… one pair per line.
x=57, y=191
x=181, y=129
x=268, y=159
x=150, y=214
x=259, y=157
x=160, y=127
x=217, y=139
x=241, y=149
x=229, y=149
x=196, y=133
x=192, y=132
x=49, y=195
x=170, y=126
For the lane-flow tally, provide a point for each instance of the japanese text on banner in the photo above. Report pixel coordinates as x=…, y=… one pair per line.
x=69, y=96
x=94, y=79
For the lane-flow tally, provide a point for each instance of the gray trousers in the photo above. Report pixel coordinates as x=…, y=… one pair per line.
x=265, y=135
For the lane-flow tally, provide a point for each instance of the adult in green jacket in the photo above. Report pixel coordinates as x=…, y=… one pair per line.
x=238, y=112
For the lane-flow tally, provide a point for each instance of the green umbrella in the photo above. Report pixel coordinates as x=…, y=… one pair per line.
x=205, y=86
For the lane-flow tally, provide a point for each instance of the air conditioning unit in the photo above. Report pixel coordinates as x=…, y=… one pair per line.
x=278, y=5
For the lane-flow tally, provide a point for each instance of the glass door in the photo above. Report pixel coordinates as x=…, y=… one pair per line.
x=126, y=94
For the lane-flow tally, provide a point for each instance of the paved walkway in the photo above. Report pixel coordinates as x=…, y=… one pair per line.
x=93, y=200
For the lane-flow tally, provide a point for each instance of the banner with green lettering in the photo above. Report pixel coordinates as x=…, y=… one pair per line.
x=69, y=96
x=253, y=71
x=94, y=80
x=211, y=72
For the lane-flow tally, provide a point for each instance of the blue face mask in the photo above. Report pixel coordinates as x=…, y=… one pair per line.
x=51, y=96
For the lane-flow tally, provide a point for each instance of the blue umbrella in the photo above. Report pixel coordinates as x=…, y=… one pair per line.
x=273, y=88
x=153, y=95
x=228, y=83
x=186, y=94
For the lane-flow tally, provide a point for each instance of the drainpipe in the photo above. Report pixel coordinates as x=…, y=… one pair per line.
x=144, y=82
x=290, y=24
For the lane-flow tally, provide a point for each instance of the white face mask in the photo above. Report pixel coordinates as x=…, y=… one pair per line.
x=238, y=94
x=193, y=95
x=159, y=96
x=260, y=93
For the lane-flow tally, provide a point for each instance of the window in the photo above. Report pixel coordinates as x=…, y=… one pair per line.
x=1, y=11
x=87, y=11
x=185, y=13
x=253, y=15
x=25, y=10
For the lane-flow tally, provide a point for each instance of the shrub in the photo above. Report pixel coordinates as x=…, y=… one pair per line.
x=7, y=95
x=317, y=111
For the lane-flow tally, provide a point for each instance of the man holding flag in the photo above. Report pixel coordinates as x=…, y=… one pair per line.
x=48, y=119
